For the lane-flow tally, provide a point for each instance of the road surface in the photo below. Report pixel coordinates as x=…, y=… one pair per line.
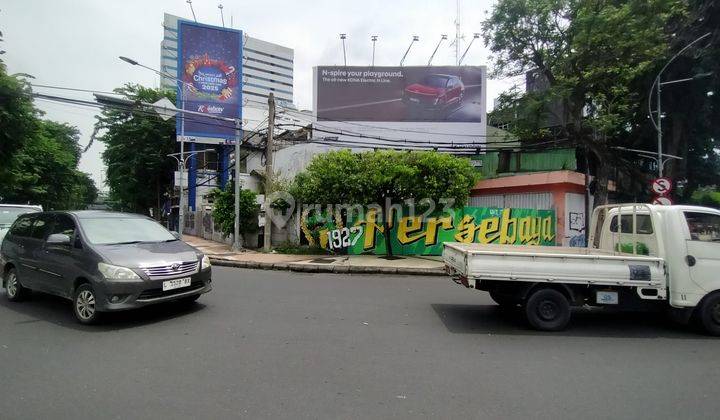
x=275, y=344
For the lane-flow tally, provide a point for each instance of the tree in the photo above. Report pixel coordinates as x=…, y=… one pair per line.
x=690, y=129
x=590, y=52
x=43, y=170
x=224, y=210
x=384, y=179
x=137, y=143
x=18, y=116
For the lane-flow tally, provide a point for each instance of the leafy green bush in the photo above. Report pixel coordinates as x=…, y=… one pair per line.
x=224, y=210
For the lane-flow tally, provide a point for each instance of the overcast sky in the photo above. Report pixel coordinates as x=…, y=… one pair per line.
x=75, y=43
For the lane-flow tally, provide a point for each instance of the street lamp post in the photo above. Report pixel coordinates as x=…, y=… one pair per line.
x=475, y=36
x=415, y=39
x=342, y=38
x=442, y=38
x=658, y=111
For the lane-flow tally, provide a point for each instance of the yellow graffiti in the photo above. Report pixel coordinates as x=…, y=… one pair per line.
x=371, y=226
x=502, y=229
x=489, y=230
x=411, y=229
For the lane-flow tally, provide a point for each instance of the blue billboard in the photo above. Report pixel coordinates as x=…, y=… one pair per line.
x=210, y=65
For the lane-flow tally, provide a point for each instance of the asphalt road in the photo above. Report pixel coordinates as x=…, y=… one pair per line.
x=273, y=344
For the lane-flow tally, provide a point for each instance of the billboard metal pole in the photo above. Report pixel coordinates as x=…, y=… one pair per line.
x=373, y=38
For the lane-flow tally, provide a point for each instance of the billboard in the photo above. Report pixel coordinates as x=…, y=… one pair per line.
x=210, y=65
x=415, y=235
x=439, y=104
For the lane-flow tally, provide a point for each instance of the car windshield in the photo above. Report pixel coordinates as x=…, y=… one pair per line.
x=110, y=230
x=435, y=81
x=9, y=214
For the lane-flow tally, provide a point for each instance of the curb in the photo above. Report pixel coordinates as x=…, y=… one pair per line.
x=325, y=268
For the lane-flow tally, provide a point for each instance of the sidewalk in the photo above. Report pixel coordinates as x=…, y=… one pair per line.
x=222, y=255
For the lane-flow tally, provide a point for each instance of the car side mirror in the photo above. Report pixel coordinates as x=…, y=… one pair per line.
x=58, y=239
x=175, y=234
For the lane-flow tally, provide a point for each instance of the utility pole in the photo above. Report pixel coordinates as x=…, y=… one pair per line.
x=659, y=130
x=269, y=172
x=236, y=231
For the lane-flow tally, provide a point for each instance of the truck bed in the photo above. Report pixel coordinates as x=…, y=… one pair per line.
x=552, y=264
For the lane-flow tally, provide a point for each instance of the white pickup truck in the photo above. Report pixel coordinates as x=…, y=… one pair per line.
x=639, y=256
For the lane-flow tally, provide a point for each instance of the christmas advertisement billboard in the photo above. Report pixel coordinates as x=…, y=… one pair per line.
x=210, y=66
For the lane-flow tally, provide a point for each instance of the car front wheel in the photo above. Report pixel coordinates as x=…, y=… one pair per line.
x=85, y=305
x=13, y=289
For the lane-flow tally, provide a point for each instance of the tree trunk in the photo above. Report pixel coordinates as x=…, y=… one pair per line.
x=602, y=176
x=387, y=226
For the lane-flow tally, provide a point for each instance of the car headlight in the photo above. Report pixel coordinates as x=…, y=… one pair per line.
x=205, y=263
x=114, y=272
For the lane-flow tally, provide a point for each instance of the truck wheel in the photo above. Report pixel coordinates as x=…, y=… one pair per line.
x=547, y=310
x=709, y=314
x=504, y=301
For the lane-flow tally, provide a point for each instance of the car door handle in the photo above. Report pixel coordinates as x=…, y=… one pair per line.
x=690, y=260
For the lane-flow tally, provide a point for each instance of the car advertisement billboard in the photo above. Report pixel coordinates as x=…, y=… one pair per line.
x=422, y=93
x=432, y=104
x=210, y=66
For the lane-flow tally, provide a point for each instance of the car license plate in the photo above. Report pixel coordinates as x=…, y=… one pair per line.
x=416, y=100
x=606, y=298
x=176, y=283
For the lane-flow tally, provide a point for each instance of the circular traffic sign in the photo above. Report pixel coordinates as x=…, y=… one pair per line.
x=662, y=186
x=662, y=201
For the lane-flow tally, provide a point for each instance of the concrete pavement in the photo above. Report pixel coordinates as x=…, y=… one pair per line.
x=222, y=254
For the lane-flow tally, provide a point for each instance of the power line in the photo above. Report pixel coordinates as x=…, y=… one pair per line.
x=296, y=112
x=395, y=141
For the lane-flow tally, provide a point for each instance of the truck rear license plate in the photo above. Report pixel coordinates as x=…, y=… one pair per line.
x=606, y=298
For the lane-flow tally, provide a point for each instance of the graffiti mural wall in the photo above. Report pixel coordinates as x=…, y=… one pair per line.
x=418, y=235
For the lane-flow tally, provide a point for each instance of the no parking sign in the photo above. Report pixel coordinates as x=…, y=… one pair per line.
x=662, y=186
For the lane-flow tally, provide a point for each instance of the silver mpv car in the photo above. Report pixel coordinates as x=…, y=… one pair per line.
x=102, y=261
